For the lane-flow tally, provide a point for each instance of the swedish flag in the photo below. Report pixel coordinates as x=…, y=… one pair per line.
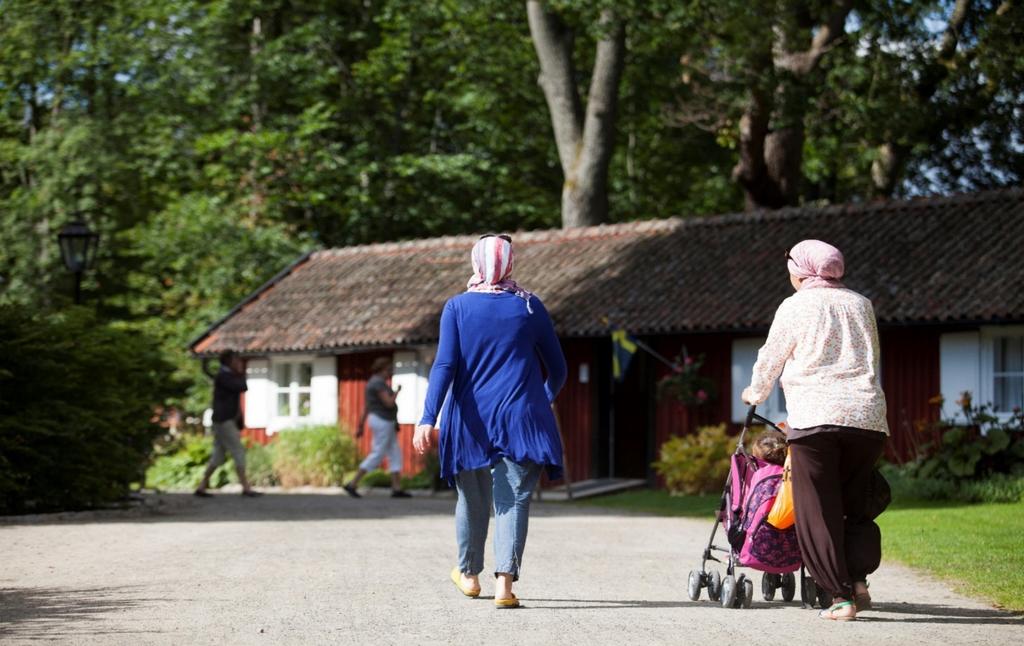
x=623, y=348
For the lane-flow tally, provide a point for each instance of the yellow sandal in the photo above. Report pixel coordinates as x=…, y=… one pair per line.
x=457, y=580
x=501, y=604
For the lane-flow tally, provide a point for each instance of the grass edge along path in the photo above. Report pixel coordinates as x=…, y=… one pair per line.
x=978, y=548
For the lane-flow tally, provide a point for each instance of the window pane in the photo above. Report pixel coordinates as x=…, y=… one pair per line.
x=1009, y=393
x=305, y=374
x=284, y=408
x=284, y=375
x=304, y=405
x=1009, y=353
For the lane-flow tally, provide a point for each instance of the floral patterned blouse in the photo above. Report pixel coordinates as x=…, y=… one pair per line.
x=824, y=343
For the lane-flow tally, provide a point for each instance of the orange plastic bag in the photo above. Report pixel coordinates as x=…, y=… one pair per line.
x=782, y=514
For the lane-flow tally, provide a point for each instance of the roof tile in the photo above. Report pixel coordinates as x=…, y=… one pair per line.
x=948, y=259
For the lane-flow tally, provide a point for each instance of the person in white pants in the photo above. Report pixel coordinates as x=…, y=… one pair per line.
x=382, y=413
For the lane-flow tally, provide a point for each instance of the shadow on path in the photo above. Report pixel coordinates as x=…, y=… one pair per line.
x=280, y=506
x=63, y=613
x=923, y=613
x=600, y=604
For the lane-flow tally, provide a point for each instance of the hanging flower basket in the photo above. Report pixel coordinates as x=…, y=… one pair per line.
x=684, y=384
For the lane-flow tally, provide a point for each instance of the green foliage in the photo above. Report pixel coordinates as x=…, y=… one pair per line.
x=427, y=478
x=696, y=463
x=76, y=409
x=982, y=461
x=211, y=142
x=907, y=485
x=988, y=445
x=259, y=465
x=317, y=455
x=180, y=465
x=685, y=384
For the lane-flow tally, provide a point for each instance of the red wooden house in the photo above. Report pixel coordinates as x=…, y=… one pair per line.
x=945, y=275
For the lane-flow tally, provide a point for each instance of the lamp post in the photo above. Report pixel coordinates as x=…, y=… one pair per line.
x=78, y=245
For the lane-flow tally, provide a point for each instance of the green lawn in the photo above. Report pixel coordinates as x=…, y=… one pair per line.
x=979, y=548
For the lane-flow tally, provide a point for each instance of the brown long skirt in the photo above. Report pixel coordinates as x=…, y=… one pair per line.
x=831, y=476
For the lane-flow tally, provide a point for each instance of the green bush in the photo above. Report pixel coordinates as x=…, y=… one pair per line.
x=180, y=465
x=316, y=455
x=697, y=463
x=987, y=445
x=996, y=488
x=308, y=456
x=77, y=401
x=259, y=465
x=376, y=478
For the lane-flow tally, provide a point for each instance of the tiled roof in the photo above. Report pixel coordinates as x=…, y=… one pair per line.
x=929, y=260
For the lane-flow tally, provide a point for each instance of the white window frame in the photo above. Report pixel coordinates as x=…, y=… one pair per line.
x=293, y=390
x=989, y=336
x=744, y=354
x=410, y=372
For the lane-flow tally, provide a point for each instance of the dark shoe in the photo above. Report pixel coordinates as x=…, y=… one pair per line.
x=350, y=490
x=862, y=600
x=398, y=493
x=202, y=494
x=251, y=494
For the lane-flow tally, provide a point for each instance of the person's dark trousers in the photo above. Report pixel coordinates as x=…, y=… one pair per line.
x=831, y=476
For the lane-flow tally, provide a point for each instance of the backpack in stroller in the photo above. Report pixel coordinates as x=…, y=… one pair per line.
x=753, y=542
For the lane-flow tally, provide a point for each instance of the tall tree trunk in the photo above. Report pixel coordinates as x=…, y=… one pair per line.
x=259, y=190
x=769, y=168
x=585, y=139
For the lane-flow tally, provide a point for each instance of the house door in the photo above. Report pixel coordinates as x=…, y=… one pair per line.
x=625, y=437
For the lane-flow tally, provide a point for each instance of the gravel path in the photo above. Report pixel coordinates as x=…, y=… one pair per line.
x=320, y=568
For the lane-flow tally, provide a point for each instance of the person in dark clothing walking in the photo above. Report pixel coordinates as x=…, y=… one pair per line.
x=228, y=386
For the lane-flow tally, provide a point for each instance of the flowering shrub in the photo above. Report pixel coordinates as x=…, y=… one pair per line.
x=696, y=463
x=685, y=384
x=985, y=445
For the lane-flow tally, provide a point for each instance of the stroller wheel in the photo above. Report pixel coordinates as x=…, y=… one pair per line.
x=809, y=592
x=693, y=585
x=715, y=586
x=788, y=586
x=748, y=593
x=768, y=586
x=729, y=592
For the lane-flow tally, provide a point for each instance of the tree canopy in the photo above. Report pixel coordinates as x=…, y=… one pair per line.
x=210, y=142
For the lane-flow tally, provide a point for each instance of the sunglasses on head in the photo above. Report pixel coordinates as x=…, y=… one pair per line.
x=506, y=238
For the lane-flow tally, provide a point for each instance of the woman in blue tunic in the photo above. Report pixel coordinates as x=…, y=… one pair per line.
x=498, y=431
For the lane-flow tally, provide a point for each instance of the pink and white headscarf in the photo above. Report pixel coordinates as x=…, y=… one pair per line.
x=493, y=260
x=818, y=263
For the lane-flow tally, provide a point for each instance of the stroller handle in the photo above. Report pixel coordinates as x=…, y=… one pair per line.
x=750, y=415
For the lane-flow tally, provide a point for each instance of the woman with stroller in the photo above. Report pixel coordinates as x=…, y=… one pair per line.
x=497, y=428
x=824, y=343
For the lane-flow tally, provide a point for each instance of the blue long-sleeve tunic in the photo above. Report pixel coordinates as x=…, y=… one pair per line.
x=490, y=353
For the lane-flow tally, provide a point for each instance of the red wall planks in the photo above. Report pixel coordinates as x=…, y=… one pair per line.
x=672, y=418
x=575, y=406
x=353, y=373
x=910, y=377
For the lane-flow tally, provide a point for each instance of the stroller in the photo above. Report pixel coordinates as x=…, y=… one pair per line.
x=747, y=498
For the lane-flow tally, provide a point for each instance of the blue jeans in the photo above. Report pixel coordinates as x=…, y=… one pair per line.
x=508, y=486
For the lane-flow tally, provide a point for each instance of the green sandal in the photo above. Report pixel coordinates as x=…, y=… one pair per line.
x=830, y=613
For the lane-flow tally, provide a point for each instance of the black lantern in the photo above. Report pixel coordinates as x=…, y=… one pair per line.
x=78, y=245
